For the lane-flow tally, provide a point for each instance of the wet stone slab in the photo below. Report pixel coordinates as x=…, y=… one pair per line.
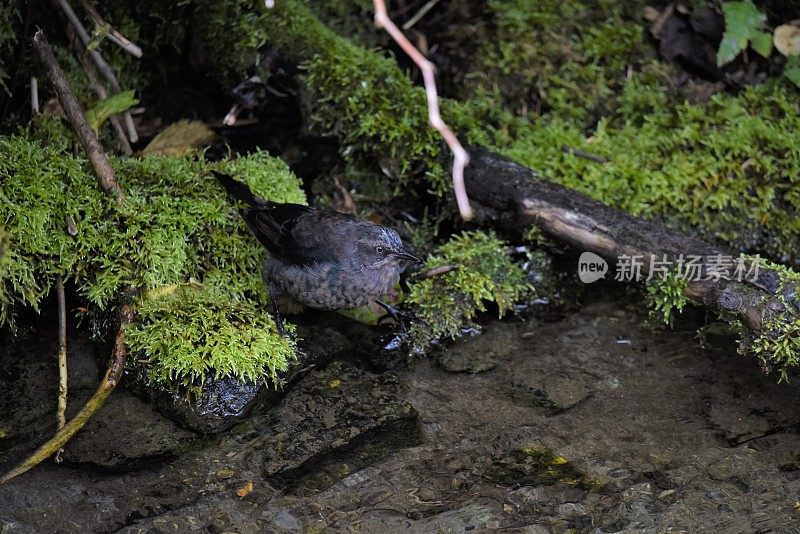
x=474, y=353
x=340, y=418
x=126, y=434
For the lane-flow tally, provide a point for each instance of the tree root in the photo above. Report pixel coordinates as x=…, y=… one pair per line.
x=110, y=380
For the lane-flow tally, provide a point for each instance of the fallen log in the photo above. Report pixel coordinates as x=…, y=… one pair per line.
x=766, y=301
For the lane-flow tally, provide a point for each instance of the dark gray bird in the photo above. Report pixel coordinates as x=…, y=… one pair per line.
x=323, y=259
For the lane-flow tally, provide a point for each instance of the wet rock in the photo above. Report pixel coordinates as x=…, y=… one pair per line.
x=740, y=417
x=525, y=461
x=470, y=518
x=222, y=404
x=333, y=423
x=722, y=469
x=532, y=465
x=793, y=464
x=554, y=393
x=226, y=401
x=475, y=354
x=126, y=434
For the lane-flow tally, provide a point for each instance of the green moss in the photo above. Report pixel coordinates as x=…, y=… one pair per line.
x=667, y=295
x=728, y=167
x=192, y=333
x=176, y=225
x=777, y=344
x=568, y=57
x=9, y=16
x=52, y=132
x=484, y=272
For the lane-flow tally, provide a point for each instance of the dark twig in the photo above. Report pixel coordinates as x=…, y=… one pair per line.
x=585, y=155
x=436, y=271
x=92, y=147
x=104, y=68
x=62, y=358
x=110, y=380
x=421, y=13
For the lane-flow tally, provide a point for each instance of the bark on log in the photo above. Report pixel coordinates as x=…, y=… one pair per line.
x=514, y=197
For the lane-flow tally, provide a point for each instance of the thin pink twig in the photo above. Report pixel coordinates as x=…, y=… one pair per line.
x=460, y=156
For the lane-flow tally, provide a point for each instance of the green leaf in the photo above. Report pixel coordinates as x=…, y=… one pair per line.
x=743, y=23
x=792, y=70
x=104, y=109
x=762, y=43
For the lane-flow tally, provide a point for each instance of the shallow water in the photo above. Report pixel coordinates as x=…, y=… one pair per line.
x=591, y=423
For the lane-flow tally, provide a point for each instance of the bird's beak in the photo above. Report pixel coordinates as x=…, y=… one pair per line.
x=405, y=255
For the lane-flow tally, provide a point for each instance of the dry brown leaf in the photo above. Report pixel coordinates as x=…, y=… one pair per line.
x=180, y=138
x=245, y=490
x=787, y=39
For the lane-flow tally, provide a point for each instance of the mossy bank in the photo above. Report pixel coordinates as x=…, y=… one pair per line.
x=176, y=243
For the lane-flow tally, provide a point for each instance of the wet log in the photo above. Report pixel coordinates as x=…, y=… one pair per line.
x=513, y=197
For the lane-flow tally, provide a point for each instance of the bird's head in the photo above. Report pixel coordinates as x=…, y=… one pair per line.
x=380, y=248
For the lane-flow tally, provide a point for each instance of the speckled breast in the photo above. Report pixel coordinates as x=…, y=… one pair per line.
x=326, y=286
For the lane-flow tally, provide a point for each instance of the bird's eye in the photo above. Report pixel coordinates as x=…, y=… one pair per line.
x=379, y=249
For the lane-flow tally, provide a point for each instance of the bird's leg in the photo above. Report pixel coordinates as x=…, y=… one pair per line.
x=276, y=315
x=399, y=316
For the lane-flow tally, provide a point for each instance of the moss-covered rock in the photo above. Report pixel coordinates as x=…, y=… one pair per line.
x=192, y=332
x=483, y=271
x=176, y=225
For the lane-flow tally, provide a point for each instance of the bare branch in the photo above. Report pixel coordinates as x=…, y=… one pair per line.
x=105, y=69
x=62, y=358
x=460, y=156
x=419, y=14
x=436, y=271
x=92, y=147
x=113, y=35
x=34, y=96
x=110, y=380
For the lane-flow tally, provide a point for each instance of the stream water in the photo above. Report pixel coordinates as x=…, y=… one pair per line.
x=591, y=423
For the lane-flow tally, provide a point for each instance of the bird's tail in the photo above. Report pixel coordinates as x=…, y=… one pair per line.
x=238, y=190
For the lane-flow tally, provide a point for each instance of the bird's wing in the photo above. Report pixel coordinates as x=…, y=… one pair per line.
x=240, y=190
x=293, y=233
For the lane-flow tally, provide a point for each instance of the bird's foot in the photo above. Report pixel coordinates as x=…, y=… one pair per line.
x=399, y=316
